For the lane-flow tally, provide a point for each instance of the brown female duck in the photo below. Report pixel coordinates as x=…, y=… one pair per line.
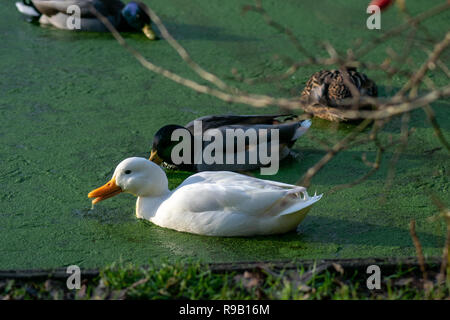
x=329, y=88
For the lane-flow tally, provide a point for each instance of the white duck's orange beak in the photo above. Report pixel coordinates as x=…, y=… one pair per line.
x=109, y=190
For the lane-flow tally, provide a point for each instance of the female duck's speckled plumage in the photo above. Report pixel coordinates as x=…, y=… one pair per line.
x=289, y=132
x=328, y=87
x=130, y=17
x=218, y=203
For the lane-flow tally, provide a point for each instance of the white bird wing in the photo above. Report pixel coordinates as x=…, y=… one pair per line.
x=237, y=193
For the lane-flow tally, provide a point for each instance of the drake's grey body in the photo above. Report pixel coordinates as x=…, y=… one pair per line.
x=288, y=131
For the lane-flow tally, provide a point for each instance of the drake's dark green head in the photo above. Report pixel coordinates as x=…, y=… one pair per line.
x=163, y=144
x=135, y=15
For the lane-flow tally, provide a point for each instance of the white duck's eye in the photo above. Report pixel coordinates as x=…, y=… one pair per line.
x=127, y=171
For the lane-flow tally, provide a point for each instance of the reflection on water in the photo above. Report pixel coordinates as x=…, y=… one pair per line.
x=105, y=215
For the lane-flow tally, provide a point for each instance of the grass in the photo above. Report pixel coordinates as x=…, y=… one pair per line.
x=195, y=281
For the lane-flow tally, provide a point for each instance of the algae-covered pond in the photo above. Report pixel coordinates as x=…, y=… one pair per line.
x=73, y=105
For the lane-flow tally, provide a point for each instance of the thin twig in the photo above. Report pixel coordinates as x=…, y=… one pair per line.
x=445, y=213
x=375, y=167
x=437, y=130
x=428, y=64
x=306, y=179
x=185, y=55
x=418, y=246
x=258, y=8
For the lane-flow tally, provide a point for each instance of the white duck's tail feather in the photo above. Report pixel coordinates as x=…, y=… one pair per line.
x=301, y=130
x=28, y=11
x=302, y=203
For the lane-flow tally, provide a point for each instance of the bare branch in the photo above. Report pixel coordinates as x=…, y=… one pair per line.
x=375, y=166
x=429, y=64
x=437, y=130
x=280, y=28
x=185, y=55
x=418, y=246
x=306, y=179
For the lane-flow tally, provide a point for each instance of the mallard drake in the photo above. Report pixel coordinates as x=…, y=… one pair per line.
x=328, y=88
x=218, y=203
x=130, y=17
x=289, y=132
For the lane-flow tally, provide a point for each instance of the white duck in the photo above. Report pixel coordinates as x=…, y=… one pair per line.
x=213, y=203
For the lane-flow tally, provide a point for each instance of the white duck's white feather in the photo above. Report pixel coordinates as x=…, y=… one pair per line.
x=215, y=203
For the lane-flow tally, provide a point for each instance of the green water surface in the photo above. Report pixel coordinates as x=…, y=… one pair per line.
x=73, y=105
